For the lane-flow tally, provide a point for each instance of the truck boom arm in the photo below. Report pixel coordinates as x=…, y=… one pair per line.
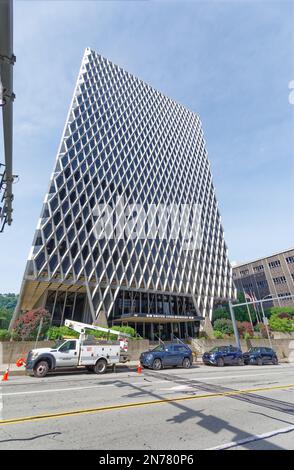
x=81, y=327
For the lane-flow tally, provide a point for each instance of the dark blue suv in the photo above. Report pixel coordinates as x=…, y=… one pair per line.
x=223, y=355
x=167, y=355
x=260, y=356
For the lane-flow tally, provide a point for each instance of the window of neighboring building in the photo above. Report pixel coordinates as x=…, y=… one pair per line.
x=248, y=286
x=274, y=264
x=279, y=280
x=258, y=268
x=290, y=259
x=262, y=283
x=244, y=272
x=284, y=294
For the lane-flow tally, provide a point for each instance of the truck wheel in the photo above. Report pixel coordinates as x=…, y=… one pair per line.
x=41, y=369
x=100, y=366
x=186, y=363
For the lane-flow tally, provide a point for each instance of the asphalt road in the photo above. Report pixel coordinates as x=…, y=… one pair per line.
x=248, y=407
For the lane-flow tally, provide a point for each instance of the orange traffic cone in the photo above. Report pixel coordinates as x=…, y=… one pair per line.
x=5, y=375
x=20, y=362
x=139, y=368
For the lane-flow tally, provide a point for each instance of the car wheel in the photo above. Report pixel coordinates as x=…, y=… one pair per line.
x=240, y=361
x=220, y=362
x=186, y=363
x=157, y=365
x=259, y=361
x=41, y=369
x=100, y=366
x=275, y=361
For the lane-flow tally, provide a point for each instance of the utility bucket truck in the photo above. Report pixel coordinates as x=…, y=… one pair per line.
x=86, y=351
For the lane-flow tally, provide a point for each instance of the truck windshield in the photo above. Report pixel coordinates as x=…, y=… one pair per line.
x=57, y=343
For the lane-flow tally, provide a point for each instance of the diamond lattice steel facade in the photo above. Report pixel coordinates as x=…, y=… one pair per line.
x=123, y=139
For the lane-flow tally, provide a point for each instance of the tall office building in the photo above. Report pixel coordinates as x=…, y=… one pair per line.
x=272, y=276
x=129, y=230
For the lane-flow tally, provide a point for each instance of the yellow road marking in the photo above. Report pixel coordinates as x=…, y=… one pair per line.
x=26, y=419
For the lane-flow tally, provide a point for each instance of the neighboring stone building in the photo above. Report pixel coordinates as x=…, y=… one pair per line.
x=266, y=277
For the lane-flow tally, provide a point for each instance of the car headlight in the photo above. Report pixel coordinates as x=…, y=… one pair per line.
x=149, y=357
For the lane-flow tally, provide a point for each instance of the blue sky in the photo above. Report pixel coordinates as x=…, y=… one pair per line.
x=229, y=61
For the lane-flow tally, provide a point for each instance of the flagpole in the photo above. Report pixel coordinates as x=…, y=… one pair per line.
x=255, y=309
x=248, y=310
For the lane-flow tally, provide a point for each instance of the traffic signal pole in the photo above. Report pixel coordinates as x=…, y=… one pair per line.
x=236, y=333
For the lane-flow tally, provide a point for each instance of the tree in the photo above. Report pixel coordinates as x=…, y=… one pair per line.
x=219, y=313
x=241, y=313
x=8, y=301
x=5, y=317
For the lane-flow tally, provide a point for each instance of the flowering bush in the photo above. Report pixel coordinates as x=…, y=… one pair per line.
x=27, y=325
x=245, y=329
x=284, y=315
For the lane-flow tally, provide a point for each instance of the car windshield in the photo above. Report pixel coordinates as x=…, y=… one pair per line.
x=216, y=348
x=160, y=347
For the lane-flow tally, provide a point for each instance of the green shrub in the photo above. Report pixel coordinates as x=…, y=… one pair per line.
x=281, y=324
x=60, y=332
x=125, y=329
x=276, y=310
x=218, y=334
x=5, y=335
x=224, y=326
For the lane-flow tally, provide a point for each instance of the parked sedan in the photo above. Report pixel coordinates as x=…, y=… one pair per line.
x=223, y=355
x=260, y=356
x=167, y=355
